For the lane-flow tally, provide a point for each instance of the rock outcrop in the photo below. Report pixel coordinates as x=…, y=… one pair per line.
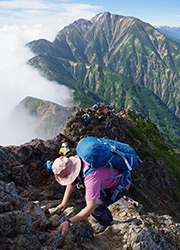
x=145, y=219
x=28, y=225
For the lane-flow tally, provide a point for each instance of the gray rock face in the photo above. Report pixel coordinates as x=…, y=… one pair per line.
x=27, y=225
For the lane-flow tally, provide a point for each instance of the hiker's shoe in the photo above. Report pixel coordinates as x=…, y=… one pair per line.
x=98, y=228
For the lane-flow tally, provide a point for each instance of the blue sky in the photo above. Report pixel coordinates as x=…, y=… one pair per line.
x=31, y=12
x=156, y=12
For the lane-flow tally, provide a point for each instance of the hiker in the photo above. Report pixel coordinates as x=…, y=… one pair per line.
x=69, y=172
x=48, y=166
x=65, y=150
x=94, y=108
x=86, y=118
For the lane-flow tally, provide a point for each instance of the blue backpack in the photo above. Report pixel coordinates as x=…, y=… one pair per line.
x=101, y=152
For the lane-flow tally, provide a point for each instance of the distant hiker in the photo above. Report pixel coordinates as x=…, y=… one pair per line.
x=65, y=150
x=86, y=118
x=48, y=166
x=94, y=107
x=101, y=189
x=57, y=137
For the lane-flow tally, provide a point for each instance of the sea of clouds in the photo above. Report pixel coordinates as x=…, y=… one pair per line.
x=18, y=80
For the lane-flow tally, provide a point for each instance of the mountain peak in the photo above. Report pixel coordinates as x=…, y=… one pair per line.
x=100, y=16
x=117, y=59
x=106, y=17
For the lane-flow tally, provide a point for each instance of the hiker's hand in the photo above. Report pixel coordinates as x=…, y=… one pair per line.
x=64, y=227
x=62, y=206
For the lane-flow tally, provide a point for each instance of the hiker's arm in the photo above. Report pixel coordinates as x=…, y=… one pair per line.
x=67, y=193
x=83, y=214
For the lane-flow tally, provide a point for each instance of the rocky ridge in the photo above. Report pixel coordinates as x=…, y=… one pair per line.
x=29, y=194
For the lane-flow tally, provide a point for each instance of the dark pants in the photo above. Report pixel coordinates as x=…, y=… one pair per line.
x=101, y=213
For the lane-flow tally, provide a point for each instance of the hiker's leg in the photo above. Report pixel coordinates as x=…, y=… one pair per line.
x=101, y=213
x=108, y=200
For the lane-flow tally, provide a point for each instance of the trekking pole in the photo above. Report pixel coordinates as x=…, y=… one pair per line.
x=57, y=237
x=55, y=241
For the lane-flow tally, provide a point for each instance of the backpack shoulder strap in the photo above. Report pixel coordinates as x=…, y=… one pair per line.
x=87, y=170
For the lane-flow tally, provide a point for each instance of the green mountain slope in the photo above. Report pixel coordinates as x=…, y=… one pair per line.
x=118, y=60
x=116, y=89
x=131, y=47
x=100, y=84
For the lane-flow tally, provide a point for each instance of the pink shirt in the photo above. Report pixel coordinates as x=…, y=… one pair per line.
x=97, y=179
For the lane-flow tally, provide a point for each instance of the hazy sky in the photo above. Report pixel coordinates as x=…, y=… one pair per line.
x=22, y=21
x=58, y=12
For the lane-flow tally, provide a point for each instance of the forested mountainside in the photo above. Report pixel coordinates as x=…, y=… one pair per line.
x=148, y=218
x=119, y=60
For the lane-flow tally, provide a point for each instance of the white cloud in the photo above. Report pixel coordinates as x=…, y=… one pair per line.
x=22, y=21
x=23, y=4
x=19, y=80
x=31, y=12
